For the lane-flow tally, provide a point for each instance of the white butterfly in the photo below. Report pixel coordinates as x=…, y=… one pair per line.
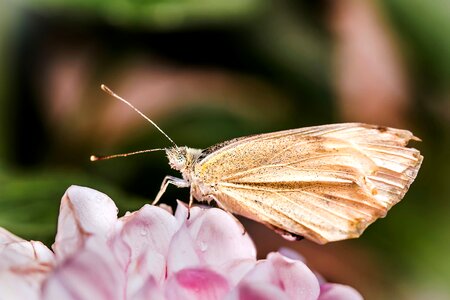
x=325, y=183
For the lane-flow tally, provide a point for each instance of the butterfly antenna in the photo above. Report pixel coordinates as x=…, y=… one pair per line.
x=109, y=91
x=95, y=158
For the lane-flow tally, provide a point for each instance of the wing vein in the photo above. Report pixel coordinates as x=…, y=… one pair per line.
x=316, y=205
x=277, y=192
x=278, y=210
x=340, y=204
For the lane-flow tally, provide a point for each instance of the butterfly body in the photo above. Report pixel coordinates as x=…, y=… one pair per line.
x=325, y=183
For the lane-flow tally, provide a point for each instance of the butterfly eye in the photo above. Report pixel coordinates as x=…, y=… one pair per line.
x=181, y=159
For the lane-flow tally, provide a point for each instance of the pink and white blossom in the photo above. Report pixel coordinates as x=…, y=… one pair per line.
x=151, y=254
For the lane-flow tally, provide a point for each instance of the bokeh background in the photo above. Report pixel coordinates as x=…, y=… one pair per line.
x=207, y=71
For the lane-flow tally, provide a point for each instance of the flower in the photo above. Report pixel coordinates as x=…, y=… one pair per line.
x=151, y=254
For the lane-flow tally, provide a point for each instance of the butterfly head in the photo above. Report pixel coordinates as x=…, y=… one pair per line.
x=177, y=157
x=181, y=158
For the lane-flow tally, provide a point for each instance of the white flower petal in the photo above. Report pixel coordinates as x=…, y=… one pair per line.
x=257, y=291
x=150, y=267
x=91, y=273
x=149, y=229
x=84, y=212
x=182, y=252
x=334, y=291
x=19, y=287
x=220, y=238
x=7, y=237
x=210, y=238
x=149, y=289
x=23, y=266
x=196, y=284
x=292, y=277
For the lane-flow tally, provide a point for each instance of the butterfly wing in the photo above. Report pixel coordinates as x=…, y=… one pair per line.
x=326, y=183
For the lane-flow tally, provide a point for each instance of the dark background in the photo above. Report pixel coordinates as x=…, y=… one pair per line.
x=208, y=71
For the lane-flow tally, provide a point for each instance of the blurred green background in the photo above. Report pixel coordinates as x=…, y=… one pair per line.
x=207, y=71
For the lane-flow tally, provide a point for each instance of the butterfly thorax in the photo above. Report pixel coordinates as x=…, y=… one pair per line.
x=184, y=159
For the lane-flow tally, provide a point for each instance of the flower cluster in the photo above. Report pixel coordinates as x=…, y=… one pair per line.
x=150, y=254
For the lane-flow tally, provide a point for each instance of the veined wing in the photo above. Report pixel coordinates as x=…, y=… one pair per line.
x=344, y=175
x=356, y=131
x=321, y=214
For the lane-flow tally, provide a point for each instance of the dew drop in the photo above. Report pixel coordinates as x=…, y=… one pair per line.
x=203, y=246
x=98, y=198
x=143, y=232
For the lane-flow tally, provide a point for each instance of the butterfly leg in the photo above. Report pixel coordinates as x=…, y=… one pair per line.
x=191, y=202
x=178, y=182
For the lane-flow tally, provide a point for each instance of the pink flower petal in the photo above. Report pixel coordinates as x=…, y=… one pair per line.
x=149, y=229
x=291, y=276
x=147, y=233
x=182, y=252
x=120, y=249
x=7, y=237
x=211, y=238
x=17, y=252
x=166, y=207
x=151, y=266
x=18, y=287
x=91, y=273
x=83, y=212
x=256, y=291
x=25, y=254
x=196, y=283
x=150, y=254
x=334, y=291
x=149, y=289
x=181, y=213
x=290, y=253
x=23, y=266
x=237, y=269
x=220, y=238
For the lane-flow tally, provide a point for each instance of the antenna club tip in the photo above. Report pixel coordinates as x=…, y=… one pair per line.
x=105, y=88
x=93, y=158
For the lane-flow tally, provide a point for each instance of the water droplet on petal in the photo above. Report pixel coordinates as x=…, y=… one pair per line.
x=97, y=198
x=143, y=232
x=203, y=246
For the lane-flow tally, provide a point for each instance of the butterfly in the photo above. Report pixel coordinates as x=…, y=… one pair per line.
x=325, y=183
